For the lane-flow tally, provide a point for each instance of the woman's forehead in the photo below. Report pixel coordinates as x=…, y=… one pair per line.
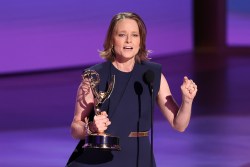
x=126, y=25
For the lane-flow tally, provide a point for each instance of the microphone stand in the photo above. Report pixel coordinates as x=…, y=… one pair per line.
x=152, y=118
x=149, y=79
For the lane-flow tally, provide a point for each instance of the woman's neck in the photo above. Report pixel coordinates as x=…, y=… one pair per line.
x=124, y=66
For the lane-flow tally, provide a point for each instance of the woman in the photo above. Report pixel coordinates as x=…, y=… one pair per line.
x=127, y=113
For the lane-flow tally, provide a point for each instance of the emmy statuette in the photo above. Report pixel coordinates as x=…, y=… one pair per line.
x=100, y=140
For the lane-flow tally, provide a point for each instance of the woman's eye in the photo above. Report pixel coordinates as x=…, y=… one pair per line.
x=121, y=35
x=135, y=35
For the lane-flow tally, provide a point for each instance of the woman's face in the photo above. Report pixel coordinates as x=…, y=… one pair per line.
x=126, y=39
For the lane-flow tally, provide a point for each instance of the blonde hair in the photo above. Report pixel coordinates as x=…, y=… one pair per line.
x=108, y=52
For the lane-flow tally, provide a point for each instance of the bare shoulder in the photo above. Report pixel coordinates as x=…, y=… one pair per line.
x=164, y=90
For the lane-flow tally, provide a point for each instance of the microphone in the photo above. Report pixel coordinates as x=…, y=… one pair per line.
x=149, y=77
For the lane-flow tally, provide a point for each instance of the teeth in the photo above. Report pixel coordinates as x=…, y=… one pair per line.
x=128, y=47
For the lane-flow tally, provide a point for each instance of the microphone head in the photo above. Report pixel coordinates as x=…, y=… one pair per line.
x=138, y=88
x=149, y=77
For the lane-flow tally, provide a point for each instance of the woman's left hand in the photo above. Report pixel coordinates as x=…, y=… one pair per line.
x=188, y=89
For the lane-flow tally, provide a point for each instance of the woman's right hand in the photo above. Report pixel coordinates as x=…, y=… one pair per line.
x=100, y=123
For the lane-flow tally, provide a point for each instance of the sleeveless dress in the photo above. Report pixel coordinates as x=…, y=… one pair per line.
x=129, y=110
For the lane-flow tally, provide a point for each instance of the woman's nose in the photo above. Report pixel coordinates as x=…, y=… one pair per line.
x=128, y=39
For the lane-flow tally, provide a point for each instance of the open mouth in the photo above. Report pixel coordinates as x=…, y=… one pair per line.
x=128, y=47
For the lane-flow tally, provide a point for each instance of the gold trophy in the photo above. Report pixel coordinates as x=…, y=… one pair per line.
x=100, y=140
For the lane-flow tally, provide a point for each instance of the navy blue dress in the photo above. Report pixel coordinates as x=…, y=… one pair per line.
x=129, y=110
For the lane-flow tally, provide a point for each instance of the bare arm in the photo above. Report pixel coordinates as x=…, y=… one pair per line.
x=84, y=105
x=178, y=117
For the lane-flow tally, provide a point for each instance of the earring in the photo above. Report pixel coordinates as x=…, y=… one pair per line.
x=112, y=49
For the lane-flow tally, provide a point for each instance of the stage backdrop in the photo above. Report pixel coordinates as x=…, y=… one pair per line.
x=238, y=23
x=51, y=34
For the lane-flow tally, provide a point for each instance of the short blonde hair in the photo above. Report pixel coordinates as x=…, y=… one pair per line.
x=108, y=52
